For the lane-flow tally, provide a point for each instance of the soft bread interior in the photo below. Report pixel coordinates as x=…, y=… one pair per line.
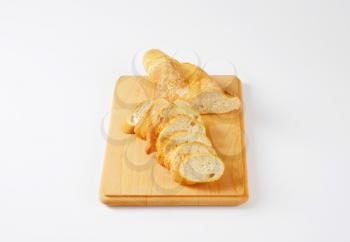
x=215, y=102
x=199, y=168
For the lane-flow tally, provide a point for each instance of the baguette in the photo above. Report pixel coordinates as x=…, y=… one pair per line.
x=168, y=126
x=188, y=82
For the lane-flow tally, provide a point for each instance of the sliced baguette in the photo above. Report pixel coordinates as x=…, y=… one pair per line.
x=176, y=139
x=198, y=168
x=166, y=115
x=179, y=123
x=133, y=119
x=175, y=156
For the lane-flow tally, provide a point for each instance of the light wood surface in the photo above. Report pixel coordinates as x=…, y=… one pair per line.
x=132, y=178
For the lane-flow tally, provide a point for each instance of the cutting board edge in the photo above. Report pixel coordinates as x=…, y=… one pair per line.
x=174, y=200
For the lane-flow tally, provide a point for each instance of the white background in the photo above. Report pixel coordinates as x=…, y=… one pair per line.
x=58, y=64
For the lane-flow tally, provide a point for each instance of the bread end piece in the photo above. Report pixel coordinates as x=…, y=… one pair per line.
x=216, y=102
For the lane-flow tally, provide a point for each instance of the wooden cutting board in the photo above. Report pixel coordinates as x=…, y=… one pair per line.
x=132, y=178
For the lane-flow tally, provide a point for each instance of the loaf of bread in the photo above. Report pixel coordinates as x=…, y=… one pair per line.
x=188, y=82
x=171, y=129
x=171, y=123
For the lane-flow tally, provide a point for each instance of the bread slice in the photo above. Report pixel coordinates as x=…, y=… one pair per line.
x=167, y=114
x=176, y=139
x=135, y=116
x=179, y=123
x=175, y=156
x=204, y=94
x=151, y=117
x=198, y=168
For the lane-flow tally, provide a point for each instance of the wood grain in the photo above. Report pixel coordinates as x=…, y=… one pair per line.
x=132, y=178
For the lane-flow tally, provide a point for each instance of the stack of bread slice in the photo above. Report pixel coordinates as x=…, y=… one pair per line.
x=176, y=132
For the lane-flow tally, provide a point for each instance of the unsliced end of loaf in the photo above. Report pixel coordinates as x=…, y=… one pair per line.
x=215, y=102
